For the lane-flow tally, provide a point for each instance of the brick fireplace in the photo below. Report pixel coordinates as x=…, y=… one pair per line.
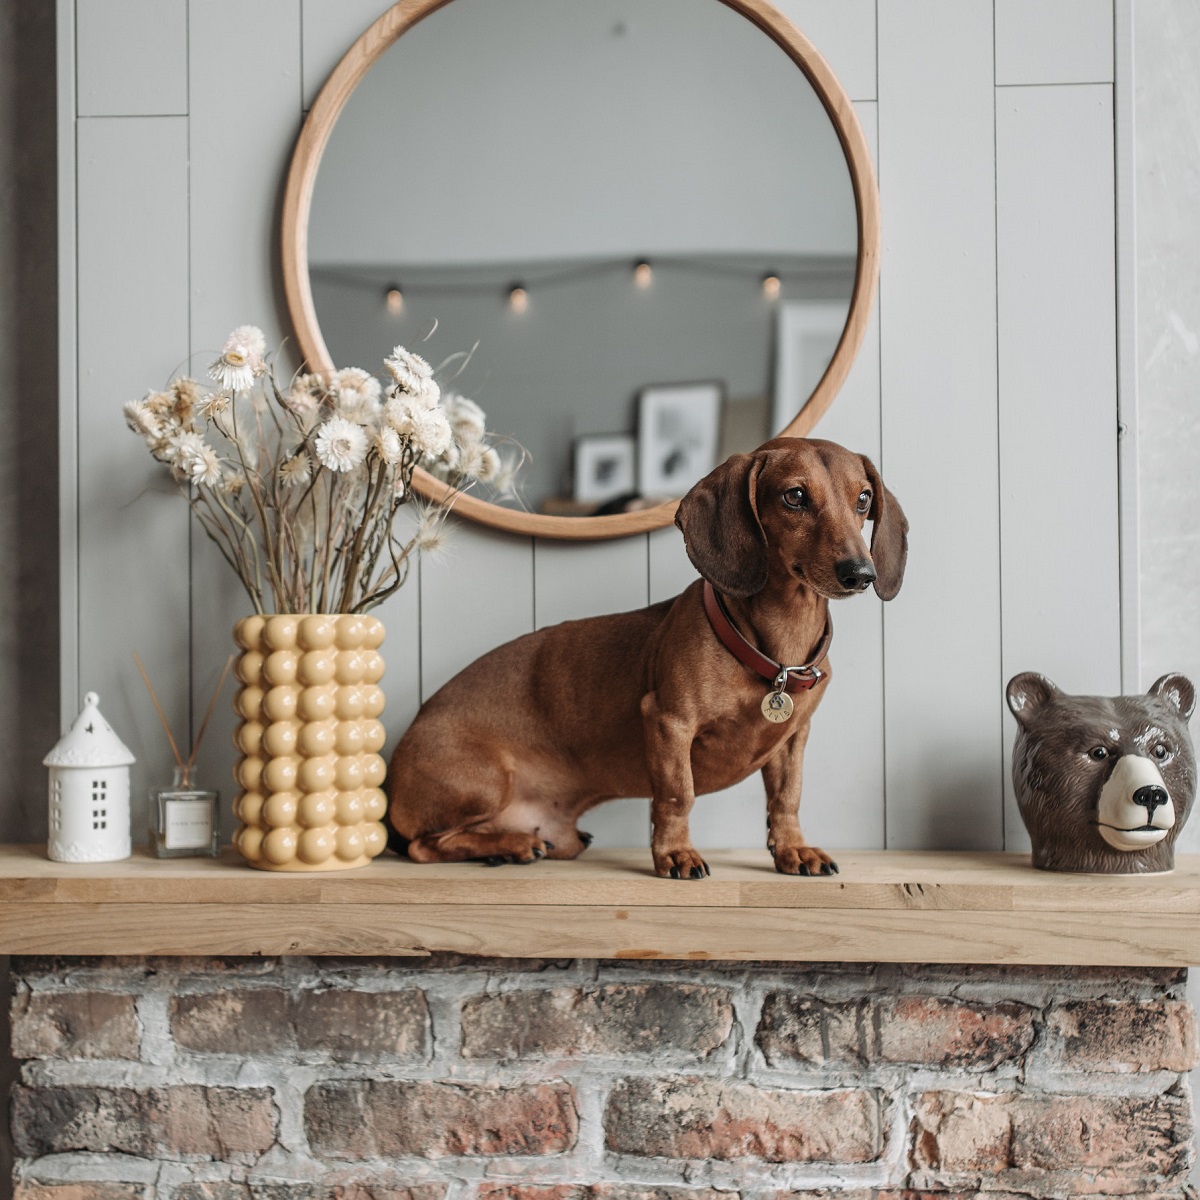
x=458, y=1078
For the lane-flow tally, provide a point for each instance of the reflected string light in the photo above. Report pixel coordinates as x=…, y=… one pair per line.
x=771, y=286
x=394, y=298
x=518, y=298
x=643, y=273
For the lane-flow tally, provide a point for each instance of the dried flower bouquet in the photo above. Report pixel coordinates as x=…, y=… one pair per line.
x=300, y=487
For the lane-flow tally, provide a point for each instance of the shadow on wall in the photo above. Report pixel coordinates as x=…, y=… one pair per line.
x=29, y=687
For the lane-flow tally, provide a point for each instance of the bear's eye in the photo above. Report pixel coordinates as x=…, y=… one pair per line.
x=1099, y=753
x=1160, y=751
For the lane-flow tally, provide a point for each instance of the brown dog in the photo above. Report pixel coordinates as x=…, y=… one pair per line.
x=503, y=760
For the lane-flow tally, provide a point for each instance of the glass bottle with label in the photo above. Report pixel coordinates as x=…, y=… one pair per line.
x=185, y=819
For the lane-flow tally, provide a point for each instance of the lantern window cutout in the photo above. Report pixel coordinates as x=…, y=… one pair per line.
x=89, y=791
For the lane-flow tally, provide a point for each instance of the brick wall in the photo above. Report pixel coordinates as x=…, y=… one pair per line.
x=478, y=1079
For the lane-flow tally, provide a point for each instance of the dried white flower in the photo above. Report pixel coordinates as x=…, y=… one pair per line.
x=213, y=404
x=160, y=403
x=470, y=460
x=341, y=445
x=431, y=433
x=140, y=417
x=194, y=459
x=296, y=470
x=466, y=417
x=411, y=372
x=430, y=534
x=489, y=466
x=241, y=359
x=398, y=413
x=182, y=445
x=206, y=468
x=388, y=446
x=356, y=395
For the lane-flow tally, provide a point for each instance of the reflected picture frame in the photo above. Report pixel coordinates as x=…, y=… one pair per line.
x=679, y=426
x=605, y=466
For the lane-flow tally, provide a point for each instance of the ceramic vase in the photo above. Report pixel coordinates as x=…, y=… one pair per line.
x=310, y=777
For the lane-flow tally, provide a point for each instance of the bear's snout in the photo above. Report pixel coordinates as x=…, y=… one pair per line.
x=1135, y=809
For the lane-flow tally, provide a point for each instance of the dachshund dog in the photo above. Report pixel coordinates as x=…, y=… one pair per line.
x=501, y=763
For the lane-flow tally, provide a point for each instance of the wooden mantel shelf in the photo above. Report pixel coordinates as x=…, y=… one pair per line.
x=885, y=906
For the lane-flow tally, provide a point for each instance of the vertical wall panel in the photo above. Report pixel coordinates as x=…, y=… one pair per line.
x=132, y=57
x=475, y=594
x=245, y=113
x=843, y=800
x=1058, y=391
x=938, y=355
x=844, y=33
x=577, y=579
x=133, y=524
x=1054, y=41
x=329, y=31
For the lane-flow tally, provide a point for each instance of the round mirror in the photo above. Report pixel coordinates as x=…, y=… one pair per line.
x=655, y=235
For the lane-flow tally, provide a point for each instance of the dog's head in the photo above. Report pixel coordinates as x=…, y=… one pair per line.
x=1103, y=784
x=795, y=509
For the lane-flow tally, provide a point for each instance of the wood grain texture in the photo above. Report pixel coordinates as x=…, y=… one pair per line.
x=132, y=214
x=1054, y=41
x=297, y=205
x=940, y=448
x=884, y=907
x=132, y=58
x=1055, y=229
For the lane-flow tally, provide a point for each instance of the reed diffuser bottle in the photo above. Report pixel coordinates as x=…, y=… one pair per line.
x=185, y=820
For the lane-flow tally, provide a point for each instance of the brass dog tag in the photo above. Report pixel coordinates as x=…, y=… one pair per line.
x=777, y=707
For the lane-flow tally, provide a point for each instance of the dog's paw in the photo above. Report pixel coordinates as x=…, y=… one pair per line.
x=803, y=860
x=519, y=848
x=680, y=864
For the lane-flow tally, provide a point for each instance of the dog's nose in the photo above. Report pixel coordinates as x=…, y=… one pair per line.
x=855, y=574
x=1150, y=797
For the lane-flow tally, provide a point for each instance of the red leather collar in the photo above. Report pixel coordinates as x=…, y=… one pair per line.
x=799, y=679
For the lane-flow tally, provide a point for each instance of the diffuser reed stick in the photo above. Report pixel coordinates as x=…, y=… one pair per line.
x=162, y=716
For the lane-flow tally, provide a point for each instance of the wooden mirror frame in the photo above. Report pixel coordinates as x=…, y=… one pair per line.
x=297, y=206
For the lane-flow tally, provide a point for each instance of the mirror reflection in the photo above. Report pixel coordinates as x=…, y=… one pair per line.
x=650, y=238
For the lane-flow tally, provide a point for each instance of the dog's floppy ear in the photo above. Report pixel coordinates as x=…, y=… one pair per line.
x=1177, y=691
x=1026, y=693
x=721, y=530
x=889, y=536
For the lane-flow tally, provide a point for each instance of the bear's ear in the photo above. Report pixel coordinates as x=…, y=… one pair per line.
x=1177, y=691
x=1027, y=693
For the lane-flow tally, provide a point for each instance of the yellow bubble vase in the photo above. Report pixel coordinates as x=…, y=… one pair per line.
x=311, y=774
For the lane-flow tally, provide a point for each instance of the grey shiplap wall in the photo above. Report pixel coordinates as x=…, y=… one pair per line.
x=986, y=389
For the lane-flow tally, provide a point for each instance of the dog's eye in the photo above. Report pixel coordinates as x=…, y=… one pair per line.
x=796, y=498
x=1099, y=753
x=864, y=502
x=1160, y=752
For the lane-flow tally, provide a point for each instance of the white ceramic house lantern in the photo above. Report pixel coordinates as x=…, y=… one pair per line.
x=89, y=791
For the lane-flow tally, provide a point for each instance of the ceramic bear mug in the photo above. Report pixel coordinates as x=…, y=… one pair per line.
x=1104, y=784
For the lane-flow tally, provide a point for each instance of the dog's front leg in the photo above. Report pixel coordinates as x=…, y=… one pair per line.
x=784, y=775
x=669, y=758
